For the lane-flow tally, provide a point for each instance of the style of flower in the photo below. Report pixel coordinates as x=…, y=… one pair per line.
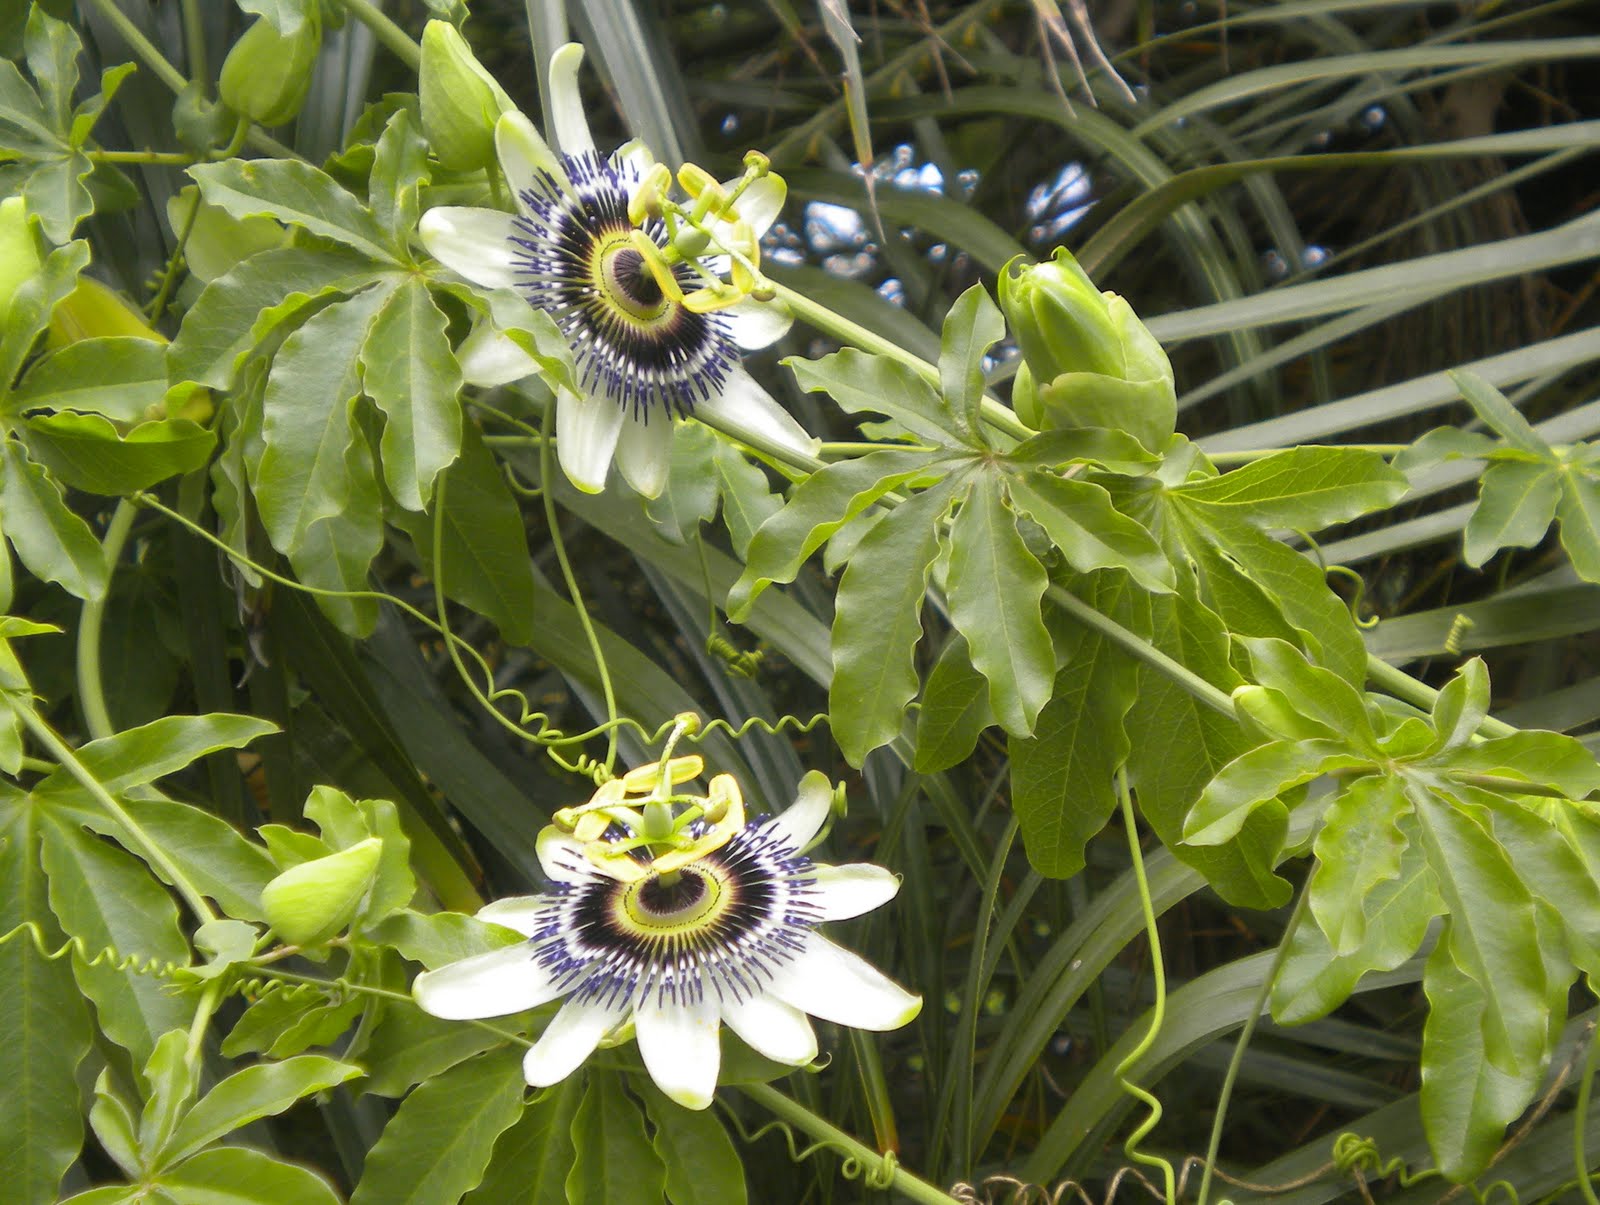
x=720, y=925
x=642, y=357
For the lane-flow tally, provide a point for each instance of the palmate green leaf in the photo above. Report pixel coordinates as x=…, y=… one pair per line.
x=45, y=1029
x=119, y=376
x=702, y=1166
x=141, y=755
x=236, y=1175
x=109, y=900
x=1314, y=980
x=302, y=475
x=1467, y=1100
x=1500, y=415
x=1317, y=693
x=994, y=591
x=412, y=376
x=973, y=325
x=747, y=500
x=35, y=300
x=1360, y=846
x=615, y=1164
x=336, y=550
x=1552, y=866
x=533, y=1157
x=280, y=1024
x=50, y=539
x=1255, y=778
x=1460, y=707
x=1062, y=777
x=437, y=938
x=1492, y=925
x=487, y=565
x=690, y=497
x=861, y=382
x=1178, y=746
x=170, y=1082
x=1115, y=451
x=1579, y=512
x=954, y=711
x=408, y=1046
x=399, y=167
x=297, y=194
x=114, y=1126
x=436, y=1146
x=264, y=1090
x=247, y=304
x=1091, y=533
x=817, y=508
x=1516, y=503
x=85, y=452
x=877, y=623
x=56, y=192
x=1550, y=759
x=1305, y=488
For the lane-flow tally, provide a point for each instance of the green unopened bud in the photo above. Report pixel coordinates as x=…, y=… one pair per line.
x=1090, y=362
x=19, y=254
x=266, y=74
x=309, y=903
x=460, y=100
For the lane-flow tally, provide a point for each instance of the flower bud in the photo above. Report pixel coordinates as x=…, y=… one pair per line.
x=460, y=100
x=266, y=74
x=1090, y=361
x=19, y=255
x=309, y=903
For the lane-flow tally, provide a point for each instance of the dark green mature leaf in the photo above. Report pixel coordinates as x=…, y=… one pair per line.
x=264, y=1090
x=109, y=900
x=1579, y=512
x=1061, y=779
x=973, y=325
x=1090, y=532
x=436, y=1146
x=303, y=474
x=119, y=376
x=44, y=1024
x=237, y=1175
x=1516, y=503
x=1306, y=488
x=994, y=591
x=408, y=1046
x=1360, y=846
x=878, y=621
x=615, y=1164
x=862, y=382
x=52, y=541
x=747, y=499
x=703, y=1168
x=533, y=1157
x=690, y=497
x=295, y=193
x=141, y=755
x=411, y=373
x=1467, y=1099
x=437, y=938
x=955, y=710
x=818, y=507
x=86, y=452
x=487, y=564
x=1492, y=927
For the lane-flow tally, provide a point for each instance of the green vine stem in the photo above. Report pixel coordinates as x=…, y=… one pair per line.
x=386, y=31
x=1580, y=1119
x=882, y=1171
x=91, y=690
x=1239, y=1047
x=149, y=849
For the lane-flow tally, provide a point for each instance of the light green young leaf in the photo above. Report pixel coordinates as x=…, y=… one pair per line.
x=1114, y=451
x=994, y=591
x=954, y=712
x=85, y=452
x=437, y=1145
x=1516, y=502
x=1460, y=707
x=1579, y=512
x=1319, y=694
x=399, y=167
x=114, y=1126
x=237, y=1175
x=118, y=376
x=817, y=508
x=50, y=539
x=1535, y=836
x=1360, y=846
x=263, y=1090
x=1305, y=488
x=533, y=1158
x=171, y=1082
x=35, y=299
x=295, y=193
x=336, y=551
x=410, y=372
x=877, y=623
x=1500, y=415
x=702, y=1166
x=973, y=325
x=1444, y=444
x=615, y=1164
x=1255, y=778
x=861, y=382
x=1081, y=521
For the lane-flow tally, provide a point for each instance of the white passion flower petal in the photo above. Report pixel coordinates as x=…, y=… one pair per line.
x=568, y=1040
x=644, y=453
x=759, y=204
x=772, y=1028
x=802, y=820
x=756, y=324
x=525, y=156
x=678, y=1042
x=474, y=243
x=748, y=412
x=566, y=102
x=830, y=982
x=527, y=914
x=841, y=892
x=488, y=358
x=587, y=428
x=495, y=984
